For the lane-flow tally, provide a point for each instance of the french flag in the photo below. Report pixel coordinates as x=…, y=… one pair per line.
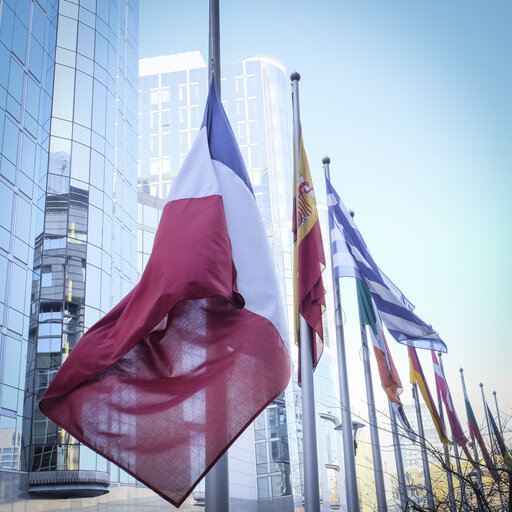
x=167, y=381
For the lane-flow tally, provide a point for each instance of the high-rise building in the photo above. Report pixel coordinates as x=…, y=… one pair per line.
x=68, y=186
x=265, y=463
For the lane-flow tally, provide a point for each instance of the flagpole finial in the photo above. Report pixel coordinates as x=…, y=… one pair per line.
x=494, y=393
x=295, y=76
x=461, y=370
x=481, y=384
x=326, y=160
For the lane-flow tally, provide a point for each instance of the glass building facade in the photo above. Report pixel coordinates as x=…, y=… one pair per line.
x=266, y=463
x=68, y=224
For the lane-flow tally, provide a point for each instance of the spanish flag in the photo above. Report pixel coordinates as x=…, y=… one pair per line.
x=308, y=256
x=417, y=377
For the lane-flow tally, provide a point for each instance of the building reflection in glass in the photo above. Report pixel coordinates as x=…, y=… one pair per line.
x=57, y=308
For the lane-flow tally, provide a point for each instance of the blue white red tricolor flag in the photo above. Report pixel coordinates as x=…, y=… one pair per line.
x=165, y=382
x=353, y=259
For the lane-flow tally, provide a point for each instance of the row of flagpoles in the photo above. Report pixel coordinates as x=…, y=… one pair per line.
x=378, y=300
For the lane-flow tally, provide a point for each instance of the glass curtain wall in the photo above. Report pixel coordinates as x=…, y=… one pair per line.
x=85, y=250
x=28, y=32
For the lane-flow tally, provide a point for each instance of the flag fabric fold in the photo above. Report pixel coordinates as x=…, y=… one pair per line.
x=418, y=377
x=389, y=378
x=475, y=433
x=353, y=259
x=444, y=395
x=166, y=382
x=308, y=256
x=505, y=453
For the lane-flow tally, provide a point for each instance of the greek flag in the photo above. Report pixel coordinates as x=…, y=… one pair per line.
x=352, y=259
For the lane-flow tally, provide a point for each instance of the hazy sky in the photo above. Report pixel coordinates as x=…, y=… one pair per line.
x=412, y=102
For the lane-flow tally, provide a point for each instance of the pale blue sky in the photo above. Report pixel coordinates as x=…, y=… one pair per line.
x=412, y=102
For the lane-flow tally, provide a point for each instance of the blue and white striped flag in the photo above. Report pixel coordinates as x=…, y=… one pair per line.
x=352, y=259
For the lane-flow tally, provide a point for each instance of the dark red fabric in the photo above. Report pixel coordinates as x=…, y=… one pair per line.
x=310, y=286
x=166, y=381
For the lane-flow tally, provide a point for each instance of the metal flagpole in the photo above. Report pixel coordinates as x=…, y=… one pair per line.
x=374, y=429
x=217, y=479
x=489, y=433
x=451, y=493
x=498, y=413
x=346, y=415
x=494, y=448
x=309, y=444
x=475, y=450
x=402, y=487
x=462, y=484
x=214, y=46
x=510, y=474
x=424, y=456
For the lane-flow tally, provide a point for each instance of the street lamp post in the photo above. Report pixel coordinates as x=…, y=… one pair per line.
x=357, y=426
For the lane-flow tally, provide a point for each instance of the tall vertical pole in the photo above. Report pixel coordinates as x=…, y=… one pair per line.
x=214, y=46
x=494, y=448
x=309, y=444
x=424, y=455
x=217, y=479
x=509, y=467
x=346, y=415
x=498, y=413
x=462, y=484
x=451, y=493
x=475, y=450
x=374, y=429
x=487, y=422
x=402, y=487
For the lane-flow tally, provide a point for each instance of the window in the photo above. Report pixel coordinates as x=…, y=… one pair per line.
x=263, y=488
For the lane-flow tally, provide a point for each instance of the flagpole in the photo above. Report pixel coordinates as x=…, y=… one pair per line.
x=451, y=493
x=462, y=485
x=498, y=413
x=491, y=441
x=424, y=455
x=402, y=487
x=374, y=429
x=217, y=479
x=214, y=44
x=309, y=443
x=346, y=415
x=475, y=451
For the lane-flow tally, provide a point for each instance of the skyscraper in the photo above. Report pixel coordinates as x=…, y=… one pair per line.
x=68, y=176
x=266, y=462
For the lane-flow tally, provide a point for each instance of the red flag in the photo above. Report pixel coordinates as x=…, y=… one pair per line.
x=443, y=394
x=166, y=382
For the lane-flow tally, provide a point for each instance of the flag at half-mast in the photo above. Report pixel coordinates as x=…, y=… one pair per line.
x=308, y=255
x=389, y=378
x=418, y=377
x=353, y=259
x=164, y=383
x=475, y=433
x=444, y=395
x=505, y=453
